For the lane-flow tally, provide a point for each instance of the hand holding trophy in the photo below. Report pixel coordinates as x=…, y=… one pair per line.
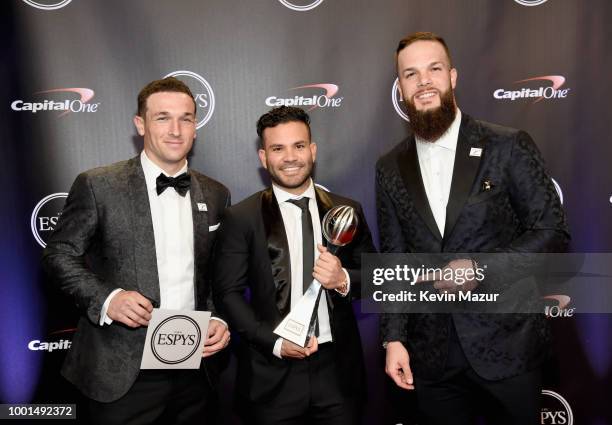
x=339, y=227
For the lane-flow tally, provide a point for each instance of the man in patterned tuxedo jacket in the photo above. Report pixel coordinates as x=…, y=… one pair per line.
x=135, y=235
x=457, y=184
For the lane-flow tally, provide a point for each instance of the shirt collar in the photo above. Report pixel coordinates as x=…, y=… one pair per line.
x=284, y=196
x=152, y=170
x=449, y=139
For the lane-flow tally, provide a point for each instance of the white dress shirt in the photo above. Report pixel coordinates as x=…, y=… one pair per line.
x=292, y=220
x=436, y=161
x=173, y=231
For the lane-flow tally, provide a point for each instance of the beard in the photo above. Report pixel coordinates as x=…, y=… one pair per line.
x=431, y=124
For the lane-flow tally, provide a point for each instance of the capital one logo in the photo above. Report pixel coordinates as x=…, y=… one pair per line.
x=66, y=103
x=531, y=2
x=560, y=309
x=45, y=216
x=176, y=339
x=324, y=97
x=202, y=92
x=551, y=90
x=301, y=6
x=555, y=410
x=398, y=100
x=48, y=4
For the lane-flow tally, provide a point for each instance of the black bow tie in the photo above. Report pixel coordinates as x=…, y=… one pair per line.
x=180, y=183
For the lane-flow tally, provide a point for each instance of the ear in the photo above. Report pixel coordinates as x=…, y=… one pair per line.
x=453, y=76
x=313, y=151
x=139, y=123
x=262, y=158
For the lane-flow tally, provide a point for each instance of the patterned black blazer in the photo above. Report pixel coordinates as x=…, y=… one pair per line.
x=500, y=201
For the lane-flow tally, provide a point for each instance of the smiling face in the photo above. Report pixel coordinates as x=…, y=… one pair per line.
x=425, y=74
x=168, y=128
x=288, y=155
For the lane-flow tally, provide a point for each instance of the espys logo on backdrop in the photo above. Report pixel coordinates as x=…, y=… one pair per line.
x=181, y=332
x=47, y=5
x=555, y=410
x=301, y=6
x=66, y=105
x=202, y=91
x=539, y=93
x=530, y=2
x=325, y=100
x=396, y=98
x=45, y=215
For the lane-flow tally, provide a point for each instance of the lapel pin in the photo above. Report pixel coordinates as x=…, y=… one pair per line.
x=202, y=206
x=487, y=185
x=475, y=151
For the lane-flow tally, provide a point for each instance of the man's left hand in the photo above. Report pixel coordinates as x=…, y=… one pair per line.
x=328, y=269
x=218, y=338
x=450, y=285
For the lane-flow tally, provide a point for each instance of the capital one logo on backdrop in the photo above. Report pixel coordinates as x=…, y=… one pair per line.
x=47, y=4
x=560, y=306
x=550, y=90
x=398, y=100
x=531, y=2
x=61, y=100
x=45, y=216
x=202, y=92
x=555, y=410
x=323, y=97
x=558, y=189
x=301, y=6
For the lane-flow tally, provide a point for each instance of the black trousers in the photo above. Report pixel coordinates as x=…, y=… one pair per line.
x=460, y=395
x=160, y=397
x=310, y=394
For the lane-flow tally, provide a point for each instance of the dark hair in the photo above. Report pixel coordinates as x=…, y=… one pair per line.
x=422, y=36
x=168, y=84
x=280, y=115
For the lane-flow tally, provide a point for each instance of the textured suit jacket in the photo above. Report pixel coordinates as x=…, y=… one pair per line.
x=253, y=255
x=104, y=240
x=519, y=212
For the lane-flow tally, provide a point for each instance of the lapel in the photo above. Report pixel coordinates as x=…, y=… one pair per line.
x=199, y=195
x=278, y=250
x=145, y=260
x=408, y=163
x=464, y=171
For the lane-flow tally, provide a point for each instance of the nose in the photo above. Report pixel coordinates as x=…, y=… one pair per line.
x=175, y=128
x=424, y=79
x=290, y=155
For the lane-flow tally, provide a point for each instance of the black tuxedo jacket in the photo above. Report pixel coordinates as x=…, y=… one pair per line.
x=104, y=240
x=252, y=254
x=501, y=201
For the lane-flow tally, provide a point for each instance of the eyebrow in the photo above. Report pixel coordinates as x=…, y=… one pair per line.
x=412, y=68
x=280, y=145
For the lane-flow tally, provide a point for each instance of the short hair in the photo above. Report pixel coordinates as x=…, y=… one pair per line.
x=422, y=36
x=281, y=115
x=168, y=84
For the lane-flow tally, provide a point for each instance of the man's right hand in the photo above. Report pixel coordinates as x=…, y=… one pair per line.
x=397, y=365
x=294, y=351
x=130, y=308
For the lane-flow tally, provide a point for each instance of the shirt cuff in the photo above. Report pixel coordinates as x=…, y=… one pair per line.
x=348, y=284
x=104, y=319
x=220, y=320
x=277, y=348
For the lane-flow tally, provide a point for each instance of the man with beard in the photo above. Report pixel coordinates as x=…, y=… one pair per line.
x=271, y=245
x=457, y=184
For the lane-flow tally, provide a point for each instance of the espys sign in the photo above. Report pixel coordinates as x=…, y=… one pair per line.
x=175, y=339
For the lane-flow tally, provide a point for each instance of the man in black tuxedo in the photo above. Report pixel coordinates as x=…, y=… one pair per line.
x=267, y=245
x=136, y=235
x=457, y=184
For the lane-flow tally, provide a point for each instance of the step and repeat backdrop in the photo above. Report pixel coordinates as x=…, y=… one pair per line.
x=71, y=70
